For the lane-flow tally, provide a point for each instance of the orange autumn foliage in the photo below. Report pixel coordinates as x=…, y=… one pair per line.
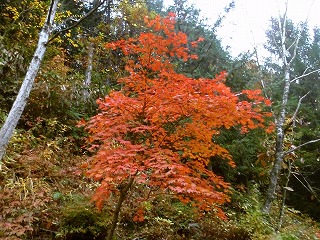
x=158, y=128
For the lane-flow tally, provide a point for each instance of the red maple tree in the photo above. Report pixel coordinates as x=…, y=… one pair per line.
x=157, y=130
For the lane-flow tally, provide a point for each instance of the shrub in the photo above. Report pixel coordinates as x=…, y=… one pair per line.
x=81, y=221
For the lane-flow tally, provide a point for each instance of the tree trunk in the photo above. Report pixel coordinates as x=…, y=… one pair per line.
x=123, y=193
x=279, y=154
x=19, y=104
x=88, y=75
x=280, y=119
x=287, y=52
x=284, y=196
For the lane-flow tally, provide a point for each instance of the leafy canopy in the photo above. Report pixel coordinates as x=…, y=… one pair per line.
x=158, y=128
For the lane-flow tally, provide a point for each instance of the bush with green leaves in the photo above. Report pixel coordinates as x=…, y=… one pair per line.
x=80, y=220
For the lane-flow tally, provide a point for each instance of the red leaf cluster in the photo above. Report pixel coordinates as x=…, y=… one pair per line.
x=159, y=126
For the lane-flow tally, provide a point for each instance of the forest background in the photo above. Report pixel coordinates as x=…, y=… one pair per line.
x=270, y=184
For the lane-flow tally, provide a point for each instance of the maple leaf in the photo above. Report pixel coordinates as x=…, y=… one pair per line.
x=158, y=128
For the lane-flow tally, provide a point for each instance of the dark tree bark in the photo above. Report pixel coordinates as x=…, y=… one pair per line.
x=122, y=197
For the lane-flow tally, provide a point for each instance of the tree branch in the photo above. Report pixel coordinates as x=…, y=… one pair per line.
x=295, y=148
x=282, y=28
x=78, y=22
x=49, y=12
x=299, y=35
x=304, y=75
x=297, y=109
x=296, y=43
x=307, y=185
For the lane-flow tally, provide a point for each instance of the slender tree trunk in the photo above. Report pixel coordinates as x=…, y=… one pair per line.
x=280, y=119
x=285, y=188
x=286, y=57
x=88, y=75
x=122, y=197
x=279, y=152
x=19, y=104
x=284, y=196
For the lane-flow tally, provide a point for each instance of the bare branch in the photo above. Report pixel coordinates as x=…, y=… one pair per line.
x=307, y=185
x=305, y=70
x=297, y=109
x=304, y=75
x=294, y=174
x=296, y=41
x=310, y=8
x=295, y=148
x=293, y=43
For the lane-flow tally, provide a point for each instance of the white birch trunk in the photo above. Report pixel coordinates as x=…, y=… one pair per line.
x=88, y=75
x=19, y=104
x=280, y=119
x=279, y=151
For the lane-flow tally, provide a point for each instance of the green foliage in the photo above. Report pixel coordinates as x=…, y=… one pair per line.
x=167, y=218
x=212, y=58
x=297, y=226
x=248, y=213
x=287, y=236
x=49, y=133
x=244, y=149
x=3, y=116
x=80, y=220
x=305, y=184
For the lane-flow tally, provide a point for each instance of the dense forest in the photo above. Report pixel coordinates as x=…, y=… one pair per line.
x=128, y=119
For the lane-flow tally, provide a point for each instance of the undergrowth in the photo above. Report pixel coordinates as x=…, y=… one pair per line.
x=44, y=195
